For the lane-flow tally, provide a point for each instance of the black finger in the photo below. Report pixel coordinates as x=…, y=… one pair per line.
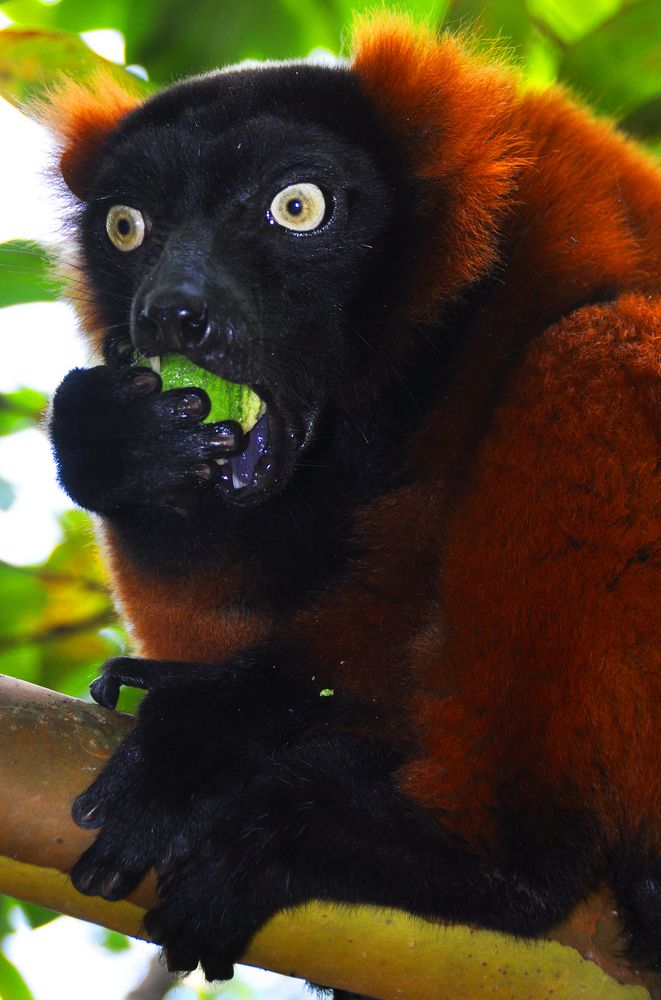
x=187, y=405
x=226, y=438
x=105, y=690
x=144, y=381
x=206, y=472
x=87, y=815
x=216, y=967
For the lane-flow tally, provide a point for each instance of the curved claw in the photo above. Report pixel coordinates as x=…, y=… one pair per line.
x=92, y=877
x=105, y=690
x=85, y=816
x=123, y=670
x=115, y=886
x=84, y=881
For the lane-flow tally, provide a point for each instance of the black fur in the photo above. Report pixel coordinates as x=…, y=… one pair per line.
x=241, y=784
x=295, y=301
x=237, y=769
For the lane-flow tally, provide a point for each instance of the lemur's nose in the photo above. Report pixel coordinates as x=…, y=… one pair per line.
x=171, y=319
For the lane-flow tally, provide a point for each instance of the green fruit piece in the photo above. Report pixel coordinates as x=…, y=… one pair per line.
x=229, y=401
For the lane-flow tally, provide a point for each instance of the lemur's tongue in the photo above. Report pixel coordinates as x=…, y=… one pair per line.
x=250, y=467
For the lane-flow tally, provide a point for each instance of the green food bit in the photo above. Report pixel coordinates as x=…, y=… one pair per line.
x=326, y=693
x=229, y=401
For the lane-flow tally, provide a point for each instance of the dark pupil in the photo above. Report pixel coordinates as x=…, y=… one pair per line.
x=124, y=227
x=294, y=206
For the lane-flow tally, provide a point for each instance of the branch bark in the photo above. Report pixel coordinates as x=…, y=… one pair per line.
x=52, y=746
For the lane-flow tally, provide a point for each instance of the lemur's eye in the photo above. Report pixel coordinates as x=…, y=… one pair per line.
x=300, y=207
x=125, y=227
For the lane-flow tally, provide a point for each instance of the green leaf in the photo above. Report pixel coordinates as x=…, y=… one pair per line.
x=26, y=273
x=114, y=941
x=541, y=56
x=23, y=661
x=23, y=600
x=77, y=555
x=53, y=616
x=12, y=984
x=70, y=15
x=20, y=410
x=33, y=58
x=644, y=122
x=430, y=12
x=36, y=915
x=129, y=700
x=618, y=66
x=569, y=20
x=174, y=38
x=6, y=905
x=500, y=19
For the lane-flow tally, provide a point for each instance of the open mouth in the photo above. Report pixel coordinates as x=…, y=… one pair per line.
x=268, y=446
x=259, y=467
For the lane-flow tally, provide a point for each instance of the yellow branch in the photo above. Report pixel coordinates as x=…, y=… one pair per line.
x=51, y=746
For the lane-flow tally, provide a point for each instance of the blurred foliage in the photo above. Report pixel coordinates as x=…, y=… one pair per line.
x=630, y=46
x=174, y=39
x=57, y=622
x=20, y=410
x=29, y=58
x=25, y=270
x=609, y=51
x=12, y=984
x=55, y=618
x=113, y=941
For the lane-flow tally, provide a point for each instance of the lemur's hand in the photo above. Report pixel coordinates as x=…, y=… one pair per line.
x=121, y=442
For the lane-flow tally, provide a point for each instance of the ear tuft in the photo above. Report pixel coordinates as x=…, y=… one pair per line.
x=455, y=119
x=81, y=115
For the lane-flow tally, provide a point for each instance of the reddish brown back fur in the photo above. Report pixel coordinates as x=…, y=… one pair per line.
x=171, y=620
x=536, y=510
x=551, y=585
x=546, y=533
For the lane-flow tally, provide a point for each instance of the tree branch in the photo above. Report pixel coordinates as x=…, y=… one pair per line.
x=52, y=746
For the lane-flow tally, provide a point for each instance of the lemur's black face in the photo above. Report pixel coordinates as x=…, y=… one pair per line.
x=245, y=220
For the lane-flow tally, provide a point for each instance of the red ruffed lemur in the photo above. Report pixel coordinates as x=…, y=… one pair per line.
x=402, y=639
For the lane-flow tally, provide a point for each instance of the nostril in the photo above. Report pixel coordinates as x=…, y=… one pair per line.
x=193, y=325
x=147, y=333
x=145, y=322
x=170, y=319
